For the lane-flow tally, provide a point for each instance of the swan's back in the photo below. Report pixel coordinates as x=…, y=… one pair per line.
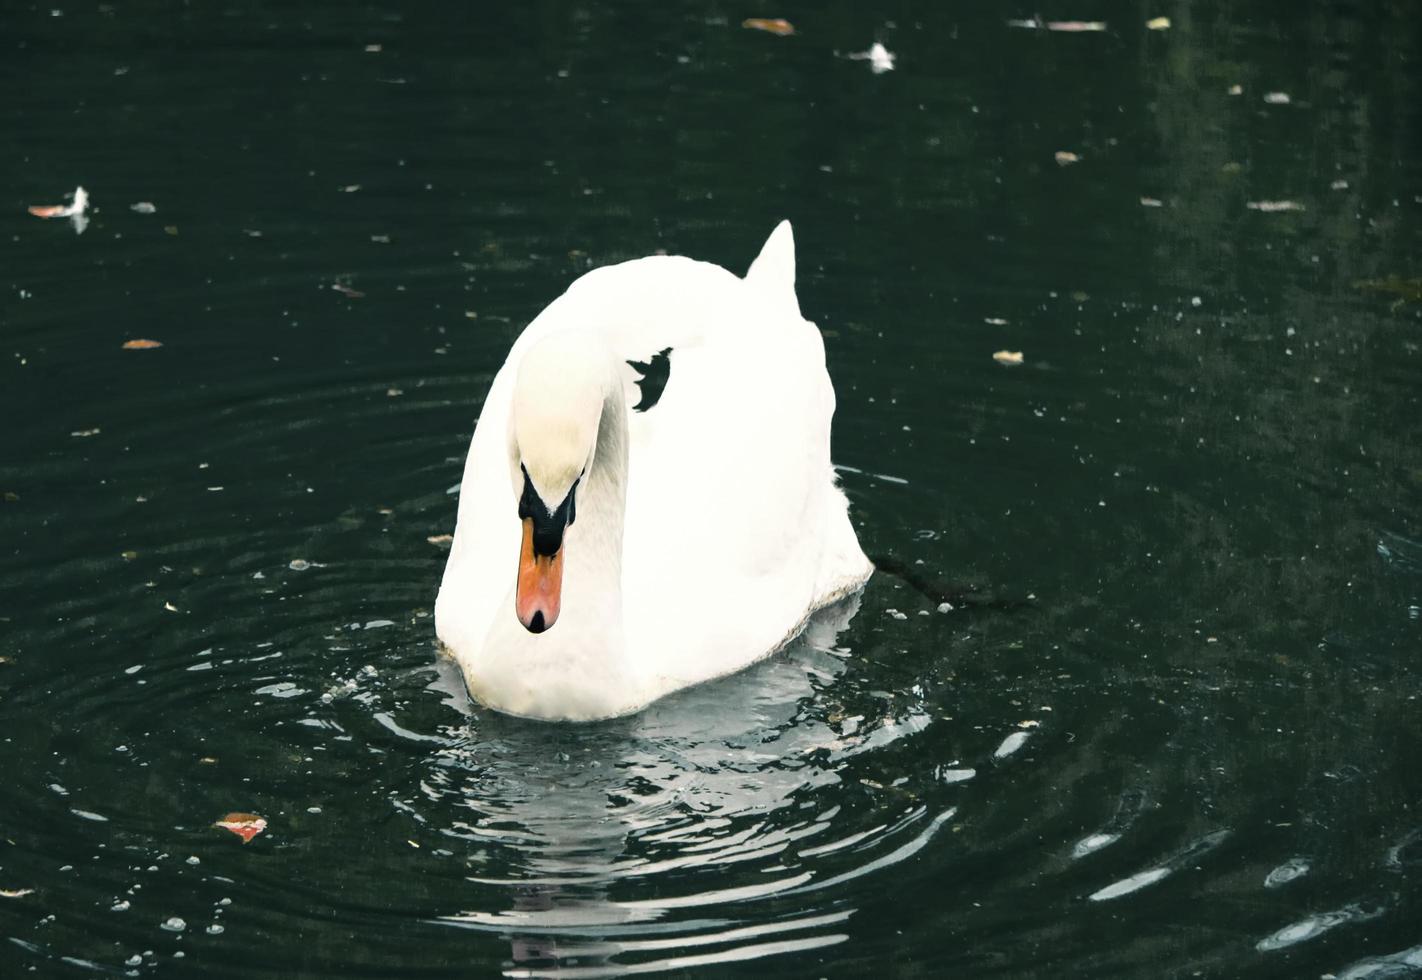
x=734, y=531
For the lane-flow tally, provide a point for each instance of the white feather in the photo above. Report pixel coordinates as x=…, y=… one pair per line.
x=707, y=529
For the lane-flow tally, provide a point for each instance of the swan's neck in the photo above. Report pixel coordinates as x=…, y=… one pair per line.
x=577, y=669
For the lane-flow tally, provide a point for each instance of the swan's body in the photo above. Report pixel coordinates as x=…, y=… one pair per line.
x=701, y=533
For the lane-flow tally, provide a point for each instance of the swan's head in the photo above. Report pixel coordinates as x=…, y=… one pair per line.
x=557, y=406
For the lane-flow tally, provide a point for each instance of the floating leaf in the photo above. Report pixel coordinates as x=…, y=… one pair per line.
x=1269, y=207
x=1158, y=24
x=1076, y=26
x=1010, y=744
x=244, y=825
x=74, y=211
x=778, y=26
x=1009, y=357
x=880, y=58
x=141, y=344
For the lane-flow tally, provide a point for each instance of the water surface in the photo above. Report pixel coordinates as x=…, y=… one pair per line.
x=1188, y=750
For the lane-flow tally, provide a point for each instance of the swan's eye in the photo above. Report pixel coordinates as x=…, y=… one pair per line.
x=548, y=526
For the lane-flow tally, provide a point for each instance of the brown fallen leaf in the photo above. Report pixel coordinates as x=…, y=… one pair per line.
x=778, y=26
x=74, y=210
x=1076, y=26
x=347, y=291
x=244, y=825
x=439, y=539
x=141, y=344
x=1009, y=357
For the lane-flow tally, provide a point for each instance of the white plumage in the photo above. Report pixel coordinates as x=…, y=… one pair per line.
x=707, y=529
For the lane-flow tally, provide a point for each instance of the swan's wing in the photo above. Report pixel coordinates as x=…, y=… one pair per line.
x=732, y=511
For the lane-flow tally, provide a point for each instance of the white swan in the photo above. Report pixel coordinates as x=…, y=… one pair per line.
x=660, y=548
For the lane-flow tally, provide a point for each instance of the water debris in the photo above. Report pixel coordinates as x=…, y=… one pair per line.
x=1011, y=744
x=1158, y=24
x=1290, y=870
x=244, y=825
x=1093, y=843
x=1404, y=289
x=1312, y=927
x=347, y=291
x=880, y=58
x=15, y=892
x=1064, y=26
x=440, y=540
x=1271, y=207
x=1152, y=202
x=1127, y=885
x=143, y=207
x=1011, y=358
x=1066, y=158
x=1277, y=98
x=74, y=210
x=778, y=26
x=141, y=344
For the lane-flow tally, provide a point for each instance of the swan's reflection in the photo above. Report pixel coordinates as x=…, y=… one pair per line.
x=641, y=843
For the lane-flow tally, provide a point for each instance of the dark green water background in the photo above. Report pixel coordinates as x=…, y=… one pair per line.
x=216, y=584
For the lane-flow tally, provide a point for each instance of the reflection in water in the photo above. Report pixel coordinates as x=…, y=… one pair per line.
x=706, y=790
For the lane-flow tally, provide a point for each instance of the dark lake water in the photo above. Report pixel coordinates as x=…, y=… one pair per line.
x=1189, y=749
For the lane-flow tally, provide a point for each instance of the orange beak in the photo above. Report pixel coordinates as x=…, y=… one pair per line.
x=540, y=585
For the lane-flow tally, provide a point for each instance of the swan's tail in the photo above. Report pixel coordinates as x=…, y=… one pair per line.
x=772, y=274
